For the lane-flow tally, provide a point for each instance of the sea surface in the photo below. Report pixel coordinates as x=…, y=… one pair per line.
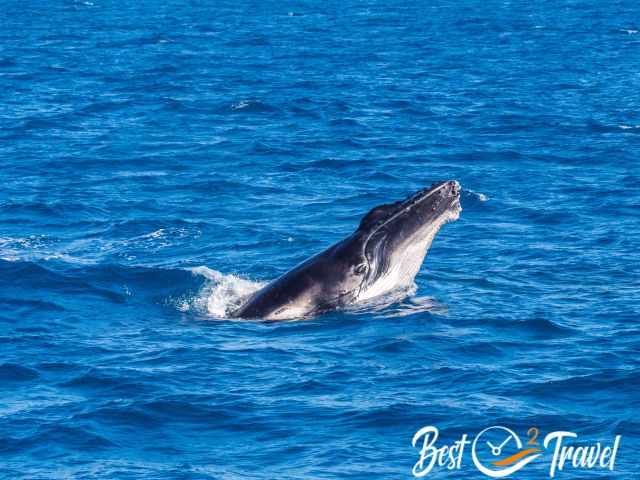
x=160, y=160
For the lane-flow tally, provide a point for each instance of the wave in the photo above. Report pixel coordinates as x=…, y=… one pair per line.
x=200, y=291
x=14, y=372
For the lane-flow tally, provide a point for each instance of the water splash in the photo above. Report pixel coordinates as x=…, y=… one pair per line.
x=480, y=196
x=221, y=293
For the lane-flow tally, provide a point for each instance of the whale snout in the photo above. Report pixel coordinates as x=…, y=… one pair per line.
x=447, y=188
x=450, y=188
x=447, y=192
x=447, y=198
x=454, y=187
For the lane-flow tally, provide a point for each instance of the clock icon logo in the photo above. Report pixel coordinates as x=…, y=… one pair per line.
x=498, y=451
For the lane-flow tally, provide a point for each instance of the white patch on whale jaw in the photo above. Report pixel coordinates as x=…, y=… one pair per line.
x=294, y=311
x=296, y=308
x=406, y=262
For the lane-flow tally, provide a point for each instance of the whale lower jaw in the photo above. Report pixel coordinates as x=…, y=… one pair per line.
x=407, y=263
x=405, y=267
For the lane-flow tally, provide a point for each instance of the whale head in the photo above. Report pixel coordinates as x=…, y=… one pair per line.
x=386, y=251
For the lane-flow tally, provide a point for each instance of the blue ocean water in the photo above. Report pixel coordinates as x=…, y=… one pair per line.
x=160, y=159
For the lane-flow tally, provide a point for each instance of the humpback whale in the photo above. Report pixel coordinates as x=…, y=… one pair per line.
x=383, y=254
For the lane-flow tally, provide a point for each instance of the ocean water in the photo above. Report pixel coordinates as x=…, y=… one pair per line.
x=159, y=160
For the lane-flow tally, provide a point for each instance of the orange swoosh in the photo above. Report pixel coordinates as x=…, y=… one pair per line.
x=515, y=457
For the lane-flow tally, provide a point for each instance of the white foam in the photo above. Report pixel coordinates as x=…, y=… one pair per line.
x=240, y=105
x=480, y=196
x=221, y=294
x=384, y=300
x=34, y=248
x=135, y=174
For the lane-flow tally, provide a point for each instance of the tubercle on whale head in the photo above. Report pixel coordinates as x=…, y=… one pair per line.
x=422, y=207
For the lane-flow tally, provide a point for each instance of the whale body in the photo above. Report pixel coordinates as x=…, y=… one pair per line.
x=384, y=253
